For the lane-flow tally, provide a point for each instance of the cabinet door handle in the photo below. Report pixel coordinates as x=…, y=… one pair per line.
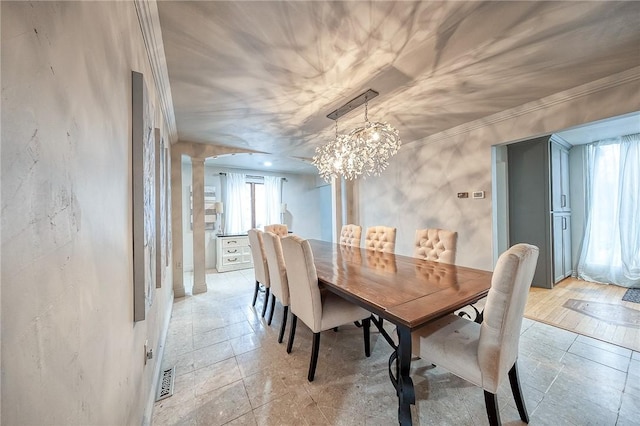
x=563, y=200
x=564, y=223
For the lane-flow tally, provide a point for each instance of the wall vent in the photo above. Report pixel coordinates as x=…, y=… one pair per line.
x=165, y=390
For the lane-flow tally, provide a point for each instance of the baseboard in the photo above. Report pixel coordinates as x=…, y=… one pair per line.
x=148, y=411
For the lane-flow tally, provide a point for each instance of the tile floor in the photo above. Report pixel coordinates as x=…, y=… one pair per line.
x=230, y=370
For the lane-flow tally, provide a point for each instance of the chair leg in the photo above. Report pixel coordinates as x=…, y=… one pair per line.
x=517, y=393
x=314, y=356
x=255, y=294
x=366, y=326
x=284, y=324
x=273, y=308
x=292, y=332
x=491, y=402
x=266, y=302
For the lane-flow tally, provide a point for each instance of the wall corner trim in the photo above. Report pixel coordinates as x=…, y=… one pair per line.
x=149, y=19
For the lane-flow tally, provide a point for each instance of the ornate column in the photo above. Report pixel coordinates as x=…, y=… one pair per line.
x=176, y=222
x=199, y=276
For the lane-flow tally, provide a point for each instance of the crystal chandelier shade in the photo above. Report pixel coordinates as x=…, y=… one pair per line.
x=365, y=151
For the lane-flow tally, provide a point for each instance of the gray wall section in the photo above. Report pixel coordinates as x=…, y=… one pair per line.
x=529, y=202
x=71, y=352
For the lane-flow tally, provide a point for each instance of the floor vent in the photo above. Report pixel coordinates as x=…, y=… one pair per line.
x=165, y=390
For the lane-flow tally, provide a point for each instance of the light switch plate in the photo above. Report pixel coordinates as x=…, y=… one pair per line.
x=478, y=194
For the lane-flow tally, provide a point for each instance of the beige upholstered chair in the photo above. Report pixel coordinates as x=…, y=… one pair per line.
x=280, y=230
x=318, y=312
x=350, y=235
x=484, y=354
x=277, y=278
x=380, y=238
x=260, y=267
x=436, y=244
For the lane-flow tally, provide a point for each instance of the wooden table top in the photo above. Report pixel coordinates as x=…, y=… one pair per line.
x=404, y=290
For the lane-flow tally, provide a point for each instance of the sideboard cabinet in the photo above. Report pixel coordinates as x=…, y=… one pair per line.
x=233, y=253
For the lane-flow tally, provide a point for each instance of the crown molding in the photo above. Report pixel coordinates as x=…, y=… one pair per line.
x=595, y=86
x=149, y=19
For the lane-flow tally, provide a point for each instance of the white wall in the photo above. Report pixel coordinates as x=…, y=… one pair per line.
x=71, y=352
x=300, y=193
x=418, y=189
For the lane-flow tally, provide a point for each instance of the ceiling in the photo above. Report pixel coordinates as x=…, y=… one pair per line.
x=263, y=75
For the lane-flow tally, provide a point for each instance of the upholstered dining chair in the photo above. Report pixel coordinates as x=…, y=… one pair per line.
x=261, y=270
x=436, y=244
x=318, y=312
x=281, y=230
x=380, y=238
x=277, y=278
x=485, y=354
x=350, y=235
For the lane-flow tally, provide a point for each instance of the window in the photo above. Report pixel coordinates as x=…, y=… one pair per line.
x=255, y=204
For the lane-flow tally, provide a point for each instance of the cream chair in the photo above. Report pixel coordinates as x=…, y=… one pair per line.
x=261, y=270
x=350, y=235
x=380, y=238
x=436, y=244
x=280, y=230
x=484, y=354
x=277, y=277
x=318, y=312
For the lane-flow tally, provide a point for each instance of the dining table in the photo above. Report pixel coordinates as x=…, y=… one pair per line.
x=405, y=291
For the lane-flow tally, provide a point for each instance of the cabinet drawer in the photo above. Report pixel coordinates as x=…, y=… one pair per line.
x=235, y=242
x=231, y=251
x=232, y=260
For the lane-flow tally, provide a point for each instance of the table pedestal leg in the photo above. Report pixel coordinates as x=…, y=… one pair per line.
x=406, y=392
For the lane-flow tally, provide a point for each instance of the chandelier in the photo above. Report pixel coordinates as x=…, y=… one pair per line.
x=365, y=151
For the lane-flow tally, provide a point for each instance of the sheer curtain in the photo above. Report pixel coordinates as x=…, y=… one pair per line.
x=237, y=214
x=273, y=198
x=611, y=245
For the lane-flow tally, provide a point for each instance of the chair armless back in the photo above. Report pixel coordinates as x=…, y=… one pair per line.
x=281, y=230
x=277, y=269
x=350, y=235
x=381, y=238
x=256, y=244
x=302, y=277
x=500, y=330
x=436, y=244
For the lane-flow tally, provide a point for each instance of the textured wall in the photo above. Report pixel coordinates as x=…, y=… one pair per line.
x=419, y=187
x=71, y=353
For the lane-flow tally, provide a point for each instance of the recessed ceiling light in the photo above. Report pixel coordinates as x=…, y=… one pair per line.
x=267, y=163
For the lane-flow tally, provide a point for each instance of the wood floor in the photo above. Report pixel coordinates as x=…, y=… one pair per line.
x=590, y=309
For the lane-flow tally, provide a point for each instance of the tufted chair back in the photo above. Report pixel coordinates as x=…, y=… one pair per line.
x=350, y=235
x=280, y=230
x=436, y=244
x=256, y=244
x=380, y=238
